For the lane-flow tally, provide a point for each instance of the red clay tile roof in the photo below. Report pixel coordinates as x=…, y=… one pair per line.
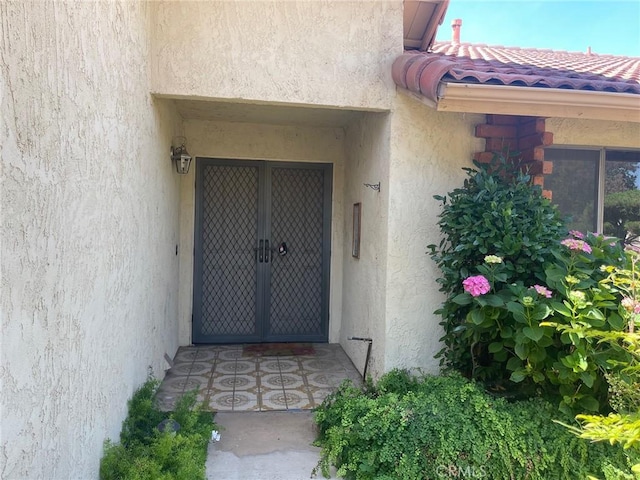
x=527, y=67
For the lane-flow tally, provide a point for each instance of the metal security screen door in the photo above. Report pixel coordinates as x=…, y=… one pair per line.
x=262, y=251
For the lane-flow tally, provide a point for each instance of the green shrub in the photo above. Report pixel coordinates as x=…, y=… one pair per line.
x=622, y=426
x=498, y=212
x=145, y=453
x=447, y=427
x=514, y=323
x=143, y=417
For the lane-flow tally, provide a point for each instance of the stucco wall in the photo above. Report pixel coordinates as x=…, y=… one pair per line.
x=309, y=52
x=89, y=230
x=569, y=131
x=365, y=278
x=428, y=151
x=231, y=140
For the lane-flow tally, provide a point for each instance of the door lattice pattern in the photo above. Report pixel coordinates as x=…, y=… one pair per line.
x=229, y=237
x=296, y=278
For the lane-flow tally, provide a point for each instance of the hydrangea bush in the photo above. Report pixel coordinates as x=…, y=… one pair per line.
x=499, y=216
x=532, y=309
x=621, y=426
x=523, y=325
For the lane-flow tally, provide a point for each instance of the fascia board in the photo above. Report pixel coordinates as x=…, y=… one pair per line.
x=539, y=102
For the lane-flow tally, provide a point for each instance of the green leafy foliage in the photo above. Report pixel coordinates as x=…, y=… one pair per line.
x=145, y=453
x=407, y=428
x=516, y=325
x=622, y=426
x=624, y=388
x=143, y=417
x=498, y=212
x=499, y=328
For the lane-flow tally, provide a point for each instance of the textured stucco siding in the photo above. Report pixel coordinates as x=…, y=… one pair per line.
x=597, y=133
x=365, y=281
x=89, y=230
x=247, y=141
x=428, y=151
x=336, y=53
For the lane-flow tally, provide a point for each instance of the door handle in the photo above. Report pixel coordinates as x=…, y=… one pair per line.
x=261, y=252
x=267, y=252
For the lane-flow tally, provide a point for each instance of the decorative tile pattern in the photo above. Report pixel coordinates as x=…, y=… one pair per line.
x=187, y=355
x=298, y=400
x=269, y=366
x=181, y=368
x=199, y=368
x=230, y=354
x=226, y=381
x=233, y=401
x=325, y=380
x=290, y=381
x=321, y=365
x=320, y=394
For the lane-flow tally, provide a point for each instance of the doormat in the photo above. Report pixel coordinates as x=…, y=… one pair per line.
x=277, y=349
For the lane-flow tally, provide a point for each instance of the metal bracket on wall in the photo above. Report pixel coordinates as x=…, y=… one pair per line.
x=373, y=186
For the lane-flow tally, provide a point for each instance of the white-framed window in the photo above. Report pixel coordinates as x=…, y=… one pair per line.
x=598, y=189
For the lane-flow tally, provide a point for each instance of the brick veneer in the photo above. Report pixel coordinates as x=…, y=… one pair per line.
x=524, y=135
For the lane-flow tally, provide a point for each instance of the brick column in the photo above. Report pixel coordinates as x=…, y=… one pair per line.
x=523, y=138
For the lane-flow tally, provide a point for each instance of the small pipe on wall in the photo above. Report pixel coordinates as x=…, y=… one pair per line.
x=366, y=362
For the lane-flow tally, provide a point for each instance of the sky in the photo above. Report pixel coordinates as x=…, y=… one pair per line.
x=607, y=26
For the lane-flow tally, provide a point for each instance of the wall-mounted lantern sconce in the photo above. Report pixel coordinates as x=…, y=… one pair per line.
x=180, y=155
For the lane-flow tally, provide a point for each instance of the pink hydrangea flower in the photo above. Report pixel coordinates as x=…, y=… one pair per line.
x=574, y=244
x=476, y=285
x=544, y=291
x=631, y=305
x=576, y=234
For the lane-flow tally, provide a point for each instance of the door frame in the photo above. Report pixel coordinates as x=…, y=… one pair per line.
x=262, y=297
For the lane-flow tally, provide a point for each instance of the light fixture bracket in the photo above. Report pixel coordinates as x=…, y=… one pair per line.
x=181, y=157
x=373, y=186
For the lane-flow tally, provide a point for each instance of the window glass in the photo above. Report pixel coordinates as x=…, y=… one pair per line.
x=574, y=185
x=622, y=195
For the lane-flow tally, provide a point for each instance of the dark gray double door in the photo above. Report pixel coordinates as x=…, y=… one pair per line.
x=262, y=241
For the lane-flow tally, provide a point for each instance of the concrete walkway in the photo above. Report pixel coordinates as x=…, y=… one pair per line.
x=263, y=446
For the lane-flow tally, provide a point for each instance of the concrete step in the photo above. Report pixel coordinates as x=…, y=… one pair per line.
x=264, y=446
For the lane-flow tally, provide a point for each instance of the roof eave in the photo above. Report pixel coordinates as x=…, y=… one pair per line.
x=421, y=19
x=543, y=102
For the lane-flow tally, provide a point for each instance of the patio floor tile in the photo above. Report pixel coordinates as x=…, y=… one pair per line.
x=227, y=381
